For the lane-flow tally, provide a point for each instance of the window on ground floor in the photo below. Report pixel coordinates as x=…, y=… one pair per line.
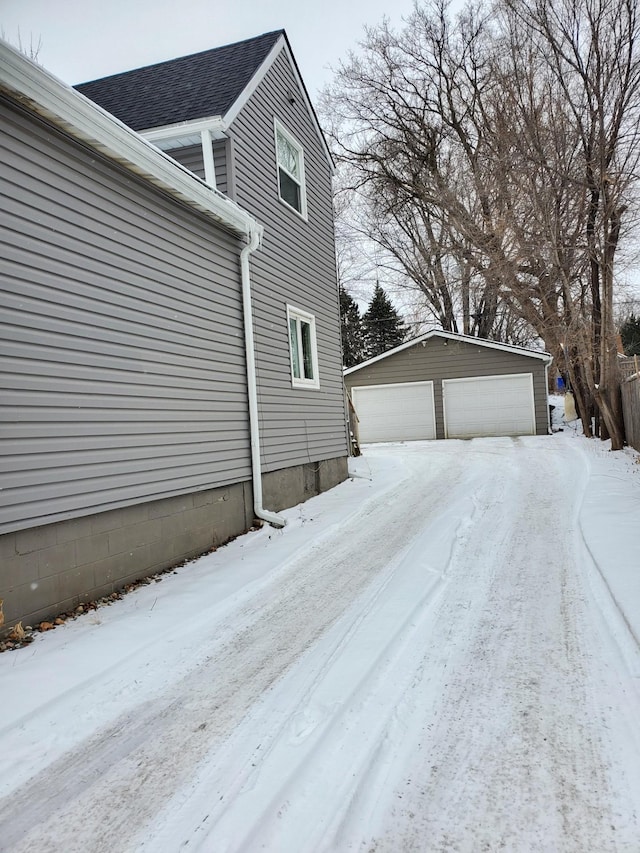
x=303, y=349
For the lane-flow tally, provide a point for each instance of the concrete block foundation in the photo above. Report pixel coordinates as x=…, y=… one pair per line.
x=50, y=569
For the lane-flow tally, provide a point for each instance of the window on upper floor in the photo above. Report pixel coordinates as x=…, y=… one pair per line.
x=303, y=349
x=290, y=159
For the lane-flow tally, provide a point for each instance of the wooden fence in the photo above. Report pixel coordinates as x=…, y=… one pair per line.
x=631, y=400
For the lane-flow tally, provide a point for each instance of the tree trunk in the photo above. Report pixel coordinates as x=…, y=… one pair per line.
x=581, y=396
x=608, y=394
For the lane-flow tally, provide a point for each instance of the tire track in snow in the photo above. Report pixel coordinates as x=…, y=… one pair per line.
x=613, y=614
x=494, y=739
x=96, y=799
x=322, y=737
x=512, y=755
x=250, y=796
x=96, y=698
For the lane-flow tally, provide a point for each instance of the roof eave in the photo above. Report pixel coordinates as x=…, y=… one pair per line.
x=215, y=124
x=44, y=94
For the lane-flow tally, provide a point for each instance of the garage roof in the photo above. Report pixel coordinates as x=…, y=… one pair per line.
x=469, y=339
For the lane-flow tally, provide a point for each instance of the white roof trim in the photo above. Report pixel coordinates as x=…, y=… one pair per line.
x=37, y=89
x=184, y=128
x=255, y=81
x=258, y=77
x=452, y=336
x=309, y=107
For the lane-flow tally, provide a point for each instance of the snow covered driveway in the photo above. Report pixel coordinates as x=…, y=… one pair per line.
x=439, y=655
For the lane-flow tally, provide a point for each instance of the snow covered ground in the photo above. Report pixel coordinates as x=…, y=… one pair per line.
x=441, y=654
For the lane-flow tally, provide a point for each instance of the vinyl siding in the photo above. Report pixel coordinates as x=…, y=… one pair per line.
x=123, y=371
x=191, y=158
x=295, y=266
x=220, y=164
x=438, y=360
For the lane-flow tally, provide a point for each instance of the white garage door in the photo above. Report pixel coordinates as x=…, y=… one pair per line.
x=489, y=405
x=398, y=412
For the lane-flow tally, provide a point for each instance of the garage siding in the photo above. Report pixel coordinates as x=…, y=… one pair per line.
x=442, y=358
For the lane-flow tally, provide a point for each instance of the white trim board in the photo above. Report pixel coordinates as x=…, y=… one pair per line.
x=185, y=128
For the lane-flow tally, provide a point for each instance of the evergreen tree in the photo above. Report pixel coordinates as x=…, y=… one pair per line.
x=353, y=341
x=630, y=334
x=383, y=326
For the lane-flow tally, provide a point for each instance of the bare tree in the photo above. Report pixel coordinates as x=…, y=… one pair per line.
x=415, y=120
x=495, y=156
x=591, y=48
x=31, y=50
x=403, y=144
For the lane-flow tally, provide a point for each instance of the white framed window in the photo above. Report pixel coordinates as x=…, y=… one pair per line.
x=290, y=162
x=303, y=349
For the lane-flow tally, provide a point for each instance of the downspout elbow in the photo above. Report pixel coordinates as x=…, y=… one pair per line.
x=272, y=518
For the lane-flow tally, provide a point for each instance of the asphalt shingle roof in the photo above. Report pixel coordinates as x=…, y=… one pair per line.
x=190, y=87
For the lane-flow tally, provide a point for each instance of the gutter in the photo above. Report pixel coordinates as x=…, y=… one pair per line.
x=256, y=465
x=31, y=86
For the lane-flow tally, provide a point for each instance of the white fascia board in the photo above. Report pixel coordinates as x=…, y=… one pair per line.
x=213, y=124
x=41, y=92
x=258, y=77
x=485, y=342
x=453, y=336
x=310, y=109
x=253, y=84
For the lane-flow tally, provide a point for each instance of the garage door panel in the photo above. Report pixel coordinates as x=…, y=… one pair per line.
x=489, y=406
x=395, y=412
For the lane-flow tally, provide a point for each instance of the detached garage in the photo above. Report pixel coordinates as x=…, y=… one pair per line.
x=443, y=385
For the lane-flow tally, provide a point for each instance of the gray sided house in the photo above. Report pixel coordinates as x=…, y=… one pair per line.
x=443, y=385
x=171, y=337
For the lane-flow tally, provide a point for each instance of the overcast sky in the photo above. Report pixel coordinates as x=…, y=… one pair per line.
x=86, y=39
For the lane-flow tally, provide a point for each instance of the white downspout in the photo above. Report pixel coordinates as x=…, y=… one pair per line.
x=260, y=512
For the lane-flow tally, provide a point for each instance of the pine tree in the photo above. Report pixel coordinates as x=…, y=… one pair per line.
x=383, y=326
x=630, y=334
x=353, y=340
